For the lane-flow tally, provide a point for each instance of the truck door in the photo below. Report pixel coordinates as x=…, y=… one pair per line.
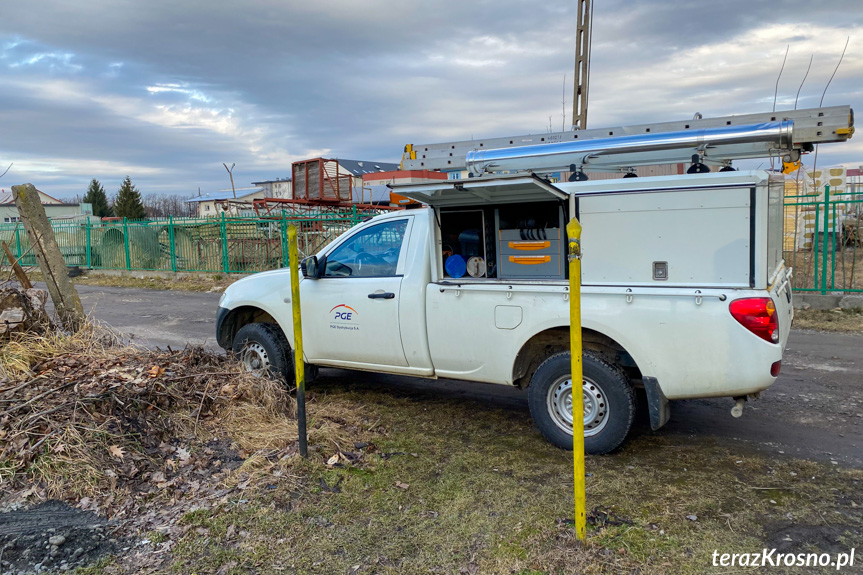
x=351, y=315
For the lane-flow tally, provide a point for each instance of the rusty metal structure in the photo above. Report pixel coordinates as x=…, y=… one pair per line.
x=320, y=190
x=319, y=180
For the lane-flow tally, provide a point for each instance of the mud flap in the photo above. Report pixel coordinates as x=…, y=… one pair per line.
x=657, y=403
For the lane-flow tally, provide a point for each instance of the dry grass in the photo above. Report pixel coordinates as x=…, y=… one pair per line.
x=182, y=282
x=200, y=282
x=398, y=482
x=21, y=353
x=834, y=320
x=80, y=413
x=83, y=415
x=845, y=272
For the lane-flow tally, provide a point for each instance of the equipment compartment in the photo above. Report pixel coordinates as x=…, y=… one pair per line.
x=465, y=248
x=530, y=240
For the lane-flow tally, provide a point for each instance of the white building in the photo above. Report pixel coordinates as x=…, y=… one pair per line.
x=213, y=204
x=54, y=208
x=278, y=188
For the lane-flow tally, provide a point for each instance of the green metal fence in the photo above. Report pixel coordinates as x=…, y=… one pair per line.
x=218, y=245
x=824, y=241
x=823, y=261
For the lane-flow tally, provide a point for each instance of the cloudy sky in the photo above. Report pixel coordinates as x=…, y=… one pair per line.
x=167, y=90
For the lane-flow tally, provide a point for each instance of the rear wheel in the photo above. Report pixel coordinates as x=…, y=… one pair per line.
x=609, y=402
x=263, y=349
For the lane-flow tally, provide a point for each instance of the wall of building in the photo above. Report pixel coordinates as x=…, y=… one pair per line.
x=9, y=213
x=213, y=208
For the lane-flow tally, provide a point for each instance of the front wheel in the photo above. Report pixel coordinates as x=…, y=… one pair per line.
x=263, y=349
x=609, y=402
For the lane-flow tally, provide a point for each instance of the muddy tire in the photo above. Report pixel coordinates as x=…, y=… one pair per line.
x=609, y=402
x=262, y=348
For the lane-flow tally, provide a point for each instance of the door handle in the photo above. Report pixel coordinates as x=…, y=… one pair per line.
x=385, y=295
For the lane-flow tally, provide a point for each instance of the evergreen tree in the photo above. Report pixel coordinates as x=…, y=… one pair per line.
x=96, y=196
x=128, y=202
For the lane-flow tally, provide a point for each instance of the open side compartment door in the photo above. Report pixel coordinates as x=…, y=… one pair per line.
x=477, y=191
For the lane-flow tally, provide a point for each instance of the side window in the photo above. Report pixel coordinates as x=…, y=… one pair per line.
x=374, y=252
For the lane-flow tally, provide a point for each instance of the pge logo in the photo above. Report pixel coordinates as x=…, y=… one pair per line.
x=343, y=312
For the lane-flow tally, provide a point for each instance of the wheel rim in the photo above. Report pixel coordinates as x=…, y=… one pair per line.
x=255, y=358
x=559, y=403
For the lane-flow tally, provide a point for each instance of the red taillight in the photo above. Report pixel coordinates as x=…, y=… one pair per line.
x=774, y=369
x=758, y=315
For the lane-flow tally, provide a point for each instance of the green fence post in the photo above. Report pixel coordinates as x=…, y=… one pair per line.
x=126, y=244
x=353, y=215
x=224, y=231
x=89, y=242
x=825, y=242
x=18, y=241
x=171, y=246
x=816, y=247
x=833, y=248
x=283, y=232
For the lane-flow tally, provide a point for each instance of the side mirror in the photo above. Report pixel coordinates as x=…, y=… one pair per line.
x=309, y=267
x=312, y=268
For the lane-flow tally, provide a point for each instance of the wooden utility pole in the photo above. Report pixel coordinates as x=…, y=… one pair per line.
x=583, y=30
x=32, y=213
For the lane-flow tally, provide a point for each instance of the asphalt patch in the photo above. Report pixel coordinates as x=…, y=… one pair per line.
x=52, y=537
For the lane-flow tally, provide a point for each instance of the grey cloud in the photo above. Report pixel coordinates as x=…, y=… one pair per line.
x=287, y=79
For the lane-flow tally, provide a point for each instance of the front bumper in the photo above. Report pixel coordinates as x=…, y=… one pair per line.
x=223, y=331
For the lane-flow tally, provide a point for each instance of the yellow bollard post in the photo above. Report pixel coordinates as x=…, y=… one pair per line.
x=573, y=232
x=299, y=366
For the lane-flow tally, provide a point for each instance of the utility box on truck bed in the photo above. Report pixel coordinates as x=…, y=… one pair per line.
x=682, y=233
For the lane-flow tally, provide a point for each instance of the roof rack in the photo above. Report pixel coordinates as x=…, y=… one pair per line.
x=716, y=141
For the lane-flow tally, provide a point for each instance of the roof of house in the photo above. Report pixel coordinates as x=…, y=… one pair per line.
x=276, y=181
x=6, y=198
x=358, y=168
x=224, y=195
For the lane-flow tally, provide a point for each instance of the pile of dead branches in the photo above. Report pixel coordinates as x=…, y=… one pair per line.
x=81, y=413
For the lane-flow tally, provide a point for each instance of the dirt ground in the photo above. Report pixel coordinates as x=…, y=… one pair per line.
x=54, y=536
x=415, y=476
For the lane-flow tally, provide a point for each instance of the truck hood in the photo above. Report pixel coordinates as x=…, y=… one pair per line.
x=262, y=281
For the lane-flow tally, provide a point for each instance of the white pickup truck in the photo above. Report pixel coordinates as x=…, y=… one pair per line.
x=684, y=293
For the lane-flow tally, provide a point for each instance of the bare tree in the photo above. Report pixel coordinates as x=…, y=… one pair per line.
x=6, y=170
x=231, y=174
x=165, y=205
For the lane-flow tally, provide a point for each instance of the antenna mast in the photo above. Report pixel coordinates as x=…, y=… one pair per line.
x=582, y=65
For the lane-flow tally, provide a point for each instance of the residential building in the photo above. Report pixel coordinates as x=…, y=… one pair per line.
x=357, y=169
x=278, y=188
x=54, y=208
x=213, y=204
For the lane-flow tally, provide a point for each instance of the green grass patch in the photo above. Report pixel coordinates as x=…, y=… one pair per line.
x=456, y=486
